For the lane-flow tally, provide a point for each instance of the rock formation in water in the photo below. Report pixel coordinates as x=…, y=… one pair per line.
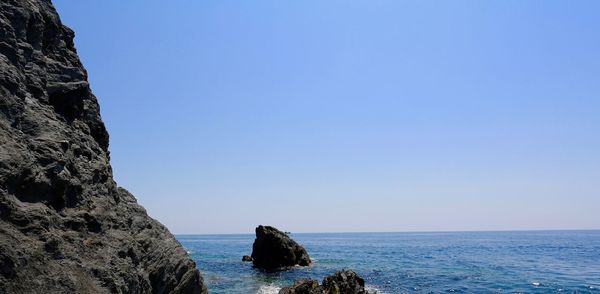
x=274, y=250
x=303, y=286
x=342, y=282
x=65, y=226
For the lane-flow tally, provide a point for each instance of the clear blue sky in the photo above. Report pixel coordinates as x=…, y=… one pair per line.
x=350, y=115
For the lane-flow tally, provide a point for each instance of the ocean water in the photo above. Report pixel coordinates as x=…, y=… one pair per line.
x=457, y=262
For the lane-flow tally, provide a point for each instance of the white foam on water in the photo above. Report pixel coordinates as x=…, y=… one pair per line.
x=268, y=289
x=370, y=289
x=536, y=283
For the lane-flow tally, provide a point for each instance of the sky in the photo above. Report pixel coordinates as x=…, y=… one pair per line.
x=349, y=116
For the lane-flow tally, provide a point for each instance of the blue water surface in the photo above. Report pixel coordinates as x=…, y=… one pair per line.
x=457, y=262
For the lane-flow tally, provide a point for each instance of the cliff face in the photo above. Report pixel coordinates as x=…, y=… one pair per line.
x=64, y=224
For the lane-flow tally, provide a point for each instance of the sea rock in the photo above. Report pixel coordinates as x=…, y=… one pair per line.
x=303, y=286
x=275, y=250
x=246, y=258
x=345, y=281
x=342, y=282
x=65, y=226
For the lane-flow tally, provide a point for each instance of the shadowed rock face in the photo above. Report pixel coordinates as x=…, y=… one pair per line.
x=65, y=226
x=274, y=250
x=342, y=282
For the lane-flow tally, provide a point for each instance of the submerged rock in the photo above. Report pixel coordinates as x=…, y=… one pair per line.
x=342, y=282
x=65, y=226
x=275, y=250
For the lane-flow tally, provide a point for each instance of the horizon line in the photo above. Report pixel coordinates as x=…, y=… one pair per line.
x=402, y=232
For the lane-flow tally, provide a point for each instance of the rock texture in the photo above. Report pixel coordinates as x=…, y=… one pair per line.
x=65, y=226
x=303, y=286
x=345, y=281
x=342, y=282
x=275, y=250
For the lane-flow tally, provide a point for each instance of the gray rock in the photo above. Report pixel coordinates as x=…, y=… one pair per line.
x=303, y=286
x=345, y=281
x=342, y=282
x=65, y=226
x=275, y=250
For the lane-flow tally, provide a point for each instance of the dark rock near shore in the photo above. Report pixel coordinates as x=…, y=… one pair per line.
x=246, y=258
x=345, y=281
x=65, y=226
x=303, y=286
x=275, y=250
x=342, y=282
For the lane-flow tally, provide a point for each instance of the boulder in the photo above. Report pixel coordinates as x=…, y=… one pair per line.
x=246, y=258
x=303, y=286
x=342, y=282
x=345, y=281
x=275, y=250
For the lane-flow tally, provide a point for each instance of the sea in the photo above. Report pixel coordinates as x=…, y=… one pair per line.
x=442, y=262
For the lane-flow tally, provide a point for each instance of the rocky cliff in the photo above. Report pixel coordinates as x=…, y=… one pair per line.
x=65, y=226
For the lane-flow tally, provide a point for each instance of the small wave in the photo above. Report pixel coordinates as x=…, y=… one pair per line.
x=372, y=289
x=214, y=278
x=268, y=289
x=536, y=283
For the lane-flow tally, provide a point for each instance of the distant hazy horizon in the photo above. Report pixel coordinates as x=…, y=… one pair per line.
x=350, y=116
x=404, y=232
